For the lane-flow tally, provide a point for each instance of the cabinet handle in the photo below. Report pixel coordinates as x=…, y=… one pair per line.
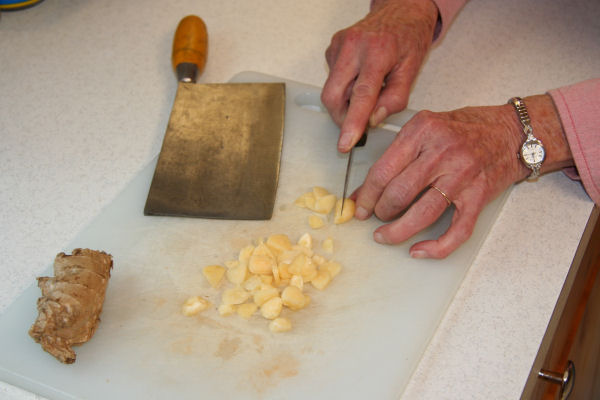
x=566, y=380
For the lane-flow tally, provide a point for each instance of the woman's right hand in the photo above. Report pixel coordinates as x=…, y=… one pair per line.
x=373, y=64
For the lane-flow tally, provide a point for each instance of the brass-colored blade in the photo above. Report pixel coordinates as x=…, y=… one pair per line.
x=221, y=152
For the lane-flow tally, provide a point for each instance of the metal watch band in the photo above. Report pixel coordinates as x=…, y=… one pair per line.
x=522, y=113
x=535, y=172
x=525, y=120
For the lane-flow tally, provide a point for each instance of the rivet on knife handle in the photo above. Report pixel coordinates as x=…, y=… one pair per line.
x=361, y=142
x=190, y=46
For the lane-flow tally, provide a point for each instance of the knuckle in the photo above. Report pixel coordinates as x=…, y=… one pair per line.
x=328, y=98
x=329, y=55
x=400, y=193
x=430, y=211
x=442, y=253
x=352, y=34
x=364, y=90
x=463, y=234
x=397, y=102
x=426, y=119
x=380, y=175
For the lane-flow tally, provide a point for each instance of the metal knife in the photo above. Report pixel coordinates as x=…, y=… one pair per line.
x=361, y=142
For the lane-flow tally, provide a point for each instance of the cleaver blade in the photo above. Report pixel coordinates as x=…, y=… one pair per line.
x=221, y=152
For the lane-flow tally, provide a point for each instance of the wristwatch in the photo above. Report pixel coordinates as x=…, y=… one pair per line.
x=532, y=151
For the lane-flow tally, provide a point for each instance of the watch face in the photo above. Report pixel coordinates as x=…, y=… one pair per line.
x=533, y=152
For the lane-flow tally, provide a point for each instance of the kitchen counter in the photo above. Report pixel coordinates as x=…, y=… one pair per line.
x=85, y=94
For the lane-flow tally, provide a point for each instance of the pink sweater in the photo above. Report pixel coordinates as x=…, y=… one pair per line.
x=578, y=107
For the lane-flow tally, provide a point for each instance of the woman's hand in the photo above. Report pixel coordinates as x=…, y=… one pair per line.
x=469, y=154
x=374, y=63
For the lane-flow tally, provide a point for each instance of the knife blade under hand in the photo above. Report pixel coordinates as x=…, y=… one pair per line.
x=361, y=142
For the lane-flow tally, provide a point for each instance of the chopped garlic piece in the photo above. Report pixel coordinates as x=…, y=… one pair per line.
x=319, y=191
x=297, y=281
x=306, y=200
x=346, y=214
x=226, y=309
x=261, y=264
x=325, y=204
x=321, y=280
x=306, y=240
x=276, y=277
x=236, y=295
x=293, y=298
x=280, y=324
x=271, y=308
x=327, y=245
x=263, y=250
x=245, y=253
x=308, y=270
x=253, y=283
x=284, y=272
x=214, y=274
x=315, y=222
x=266, y=293
x=262, y=260
x=194, y=305
x=297, y=264
x=332, y=267
x=246, y=310
x=288, y=256
x=279, y=243
x=317, y=259
x=238, y=274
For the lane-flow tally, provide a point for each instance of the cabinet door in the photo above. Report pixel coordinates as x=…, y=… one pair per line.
x=585, y=353
x=573, y=333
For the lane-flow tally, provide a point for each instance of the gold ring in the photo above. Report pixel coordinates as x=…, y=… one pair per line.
x=442, y=193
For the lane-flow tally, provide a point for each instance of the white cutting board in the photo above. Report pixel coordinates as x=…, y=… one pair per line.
x=360, y=338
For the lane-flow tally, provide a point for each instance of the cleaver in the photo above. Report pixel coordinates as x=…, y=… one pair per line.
x=221, y=152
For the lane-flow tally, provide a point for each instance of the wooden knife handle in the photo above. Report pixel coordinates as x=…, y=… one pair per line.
x=190, y=46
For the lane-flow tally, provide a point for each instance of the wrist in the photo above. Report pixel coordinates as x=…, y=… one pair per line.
x=546, y=127
x=427, y=10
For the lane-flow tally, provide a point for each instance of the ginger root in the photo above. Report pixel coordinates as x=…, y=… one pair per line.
x=71, y=302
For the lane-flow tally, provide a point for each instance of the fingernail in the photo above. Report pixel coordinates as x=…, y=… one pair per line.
x=379, y=238
x=419, y=254
x=344, y=142
x=361, y=213
x=378, y=116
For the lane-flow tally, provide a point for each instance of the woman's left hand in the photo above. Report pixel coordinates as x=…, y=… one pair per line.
x=469, y=155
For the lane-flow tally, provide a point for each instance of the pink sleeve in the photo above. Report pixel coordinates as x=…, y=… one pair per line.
x=578, y=106
x=448, y=10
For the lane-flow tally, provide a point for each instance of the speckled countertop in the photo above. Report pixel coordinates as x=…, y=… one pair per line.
x=85, y=94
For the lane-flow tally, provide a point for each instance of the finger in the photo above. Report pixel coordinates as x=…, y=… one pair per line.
x=459, y=232
x=364, y=96
x=419, y=216
x=335, y=94
x=331, y=54
x=354, y=194
x=394, y=96
x=403, y=189
x=403, y=150
x=468, y=207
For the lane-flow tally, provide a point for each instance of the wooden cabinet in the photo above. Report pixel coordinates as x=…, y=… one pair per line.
x=573, y=333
